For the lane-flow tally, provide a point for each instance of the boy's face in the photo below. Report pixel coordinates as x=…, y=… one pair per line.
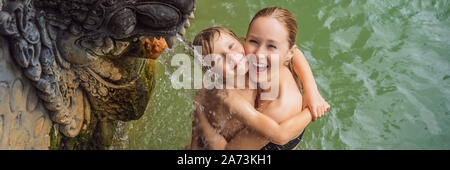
x=229, y=56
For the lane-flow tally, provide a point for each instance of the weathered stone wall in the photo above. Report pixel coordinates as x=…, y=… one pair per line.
x=66, y=77
x=24, y=122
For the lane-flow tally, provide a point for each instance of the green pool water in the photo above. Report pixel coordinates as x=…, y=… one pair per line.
x=383, y=65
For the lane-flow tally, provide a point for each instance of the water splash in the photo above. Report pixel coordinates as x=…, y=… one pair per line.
x=165, y=124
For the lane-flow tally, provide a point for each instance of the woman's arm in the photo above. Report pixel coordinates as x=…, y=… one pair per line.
x=312, y=98
x=266, y=126
x=250, y=140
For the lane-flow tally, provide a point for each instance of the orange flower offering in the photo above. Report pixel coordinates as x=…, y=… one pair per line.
x=154, y=49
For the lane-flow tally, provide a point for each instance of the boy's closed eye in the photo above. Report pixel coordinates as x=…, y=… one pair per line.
x=272, y=46
x=231, y=46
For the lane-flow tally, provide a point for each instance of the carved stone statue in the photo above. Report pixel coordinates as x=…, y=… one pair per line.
x=79, y=65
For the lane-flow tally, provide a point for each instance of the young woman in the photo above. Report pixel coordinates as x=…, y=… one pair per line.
x=272, y=31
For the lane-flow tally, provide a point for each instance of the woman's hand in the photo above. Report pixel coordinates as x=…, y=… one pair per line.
x=314, y=101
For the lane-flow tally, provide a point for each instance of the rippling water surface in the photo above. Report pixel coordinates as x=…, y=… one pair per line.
x=383, y=65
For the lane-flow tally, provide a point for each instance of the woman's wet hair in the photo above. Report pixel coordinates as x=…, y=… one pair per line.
x=283, y=16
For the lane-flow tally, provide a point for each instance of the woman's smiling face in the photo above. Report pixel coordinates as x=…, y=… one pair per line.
x=267, y=39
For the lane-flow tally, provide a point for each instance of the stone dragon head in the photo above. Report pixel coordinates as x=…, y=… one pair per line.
x=91, y=56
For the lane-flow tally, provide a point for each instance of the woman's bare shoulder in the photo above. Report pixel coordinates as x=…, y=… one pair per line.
x=288, y=85
x=289, y=101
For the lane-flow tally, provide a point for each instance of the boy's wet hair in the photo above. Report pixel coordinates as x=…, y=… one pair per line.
x=205, y=39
